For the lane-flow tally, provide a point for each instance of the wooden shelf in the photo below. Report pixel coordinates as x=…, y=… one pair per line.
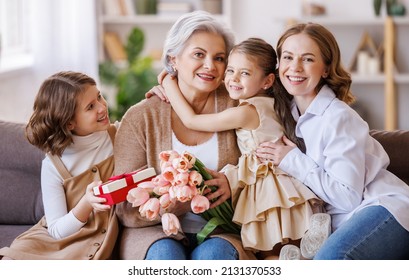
x=341, y=21
x=155, y=26
x=402, y=78
x=365, y=79
x=144, y=19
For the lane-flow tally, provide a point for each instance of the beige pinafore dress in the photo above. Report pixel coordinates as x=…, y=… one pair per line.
x=96, y=240
x=271, y=206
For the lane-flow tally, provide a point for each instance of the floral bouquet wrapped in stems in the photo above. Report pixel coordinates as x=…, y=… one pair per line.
x=182, y=179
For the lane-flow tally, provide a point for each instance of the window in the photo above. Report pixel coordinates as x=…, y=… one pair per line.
x=15, y=52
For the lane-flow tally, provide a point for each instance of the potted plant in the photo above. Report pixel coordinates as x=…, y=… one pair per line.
x=132, y=81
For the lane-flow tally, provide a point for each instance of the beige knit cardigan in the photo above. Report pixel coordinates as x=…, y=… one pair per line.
x=144, y=132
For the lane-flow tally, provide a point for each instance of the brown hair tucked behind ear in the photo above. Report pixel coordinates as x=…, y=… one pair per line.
x=54, y=107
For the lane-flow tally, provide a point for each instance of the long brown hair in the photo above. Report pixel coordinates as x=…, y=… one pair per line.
x=54, y=107
x=338, y=79
x=266, y=58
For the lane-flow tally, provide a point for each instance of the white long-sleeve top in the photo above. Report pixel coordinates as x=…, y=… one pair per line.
x=78, y=157
x=343, y=164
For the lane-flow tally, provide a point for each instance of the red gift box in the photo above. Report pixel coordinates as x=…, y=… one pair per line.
x=117, y=187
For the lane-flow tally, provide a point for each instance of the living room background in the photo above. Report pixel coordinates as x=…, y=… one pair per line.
x=64, y=36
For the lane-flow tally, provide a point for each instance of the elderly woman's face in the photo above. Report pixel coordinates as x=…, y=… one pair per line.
x=202, y=63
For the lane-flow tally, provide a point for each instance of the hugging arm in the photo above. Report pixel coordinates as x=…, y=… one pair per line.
x=232, y=118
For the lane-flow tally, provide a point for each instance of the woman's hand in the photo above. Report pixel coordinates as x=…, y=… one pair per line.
x=180, y=208
x=274, y=151
x=223, y=191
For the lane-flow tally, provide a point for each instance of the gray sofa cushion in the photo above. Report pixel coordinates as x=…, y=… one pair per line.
x=20, y=170
x=9, y=232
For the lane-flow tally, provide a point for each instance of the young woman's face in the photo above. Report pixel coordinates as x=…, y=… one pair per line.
x=301, y=66
x=202, y=63
x=91, y=114
x=243, y=78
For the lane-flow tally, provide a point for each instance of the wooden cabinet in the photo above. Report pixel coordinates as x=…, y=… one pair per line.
x=382, y=98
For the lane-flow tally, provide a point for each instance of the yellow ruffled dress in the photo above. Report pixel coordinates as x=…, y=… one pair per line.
x=271, y=206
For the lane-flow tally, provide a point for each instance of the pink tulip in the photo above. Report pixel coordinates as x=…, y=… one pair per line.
x=161, y=190
x=170, y=224
x=137, y=196
x=150, y=209
x=164, y=164
x=159, y=180
x=147, y=185
x=169, y=174
x=181, y=179
x=172, y=192
x=185, y=193
x=165, y=201
x=190, y=158
x=181, y=164
x=166, y=156
x=195, y=178
x=199, y=204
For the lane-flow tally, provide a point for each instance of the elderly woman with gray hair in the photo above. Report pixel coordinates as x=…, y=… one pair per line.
x=196, y=51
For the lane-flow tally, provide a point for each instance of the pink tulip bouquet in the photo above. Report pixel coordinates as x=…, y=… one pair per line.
x=182, y=179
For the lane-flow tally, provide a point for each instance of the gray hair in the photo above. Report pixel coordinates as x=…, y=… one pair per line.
x=185, y=27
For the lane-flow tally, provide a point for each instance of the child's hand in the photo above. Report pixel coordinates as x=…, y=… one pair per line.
x=159, y=91
x=166, y=82
x=95, y=201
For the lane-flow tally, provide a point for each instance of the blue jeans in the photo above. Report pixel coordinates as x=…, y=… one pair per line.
x=211, y=249
x=370, y=234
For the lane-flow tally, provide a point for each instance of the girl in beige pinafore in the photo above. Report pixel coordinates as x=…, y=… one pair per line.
x=97, y=235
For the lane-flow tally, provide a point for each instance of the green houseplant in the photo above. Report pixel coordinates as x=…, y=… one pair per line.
x=131, y=81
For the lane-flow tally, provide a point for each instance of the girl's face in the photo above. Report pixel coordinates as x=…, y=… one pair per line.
x=301, y=66
x=244, y=78
x=202, y=62
x=91, y=114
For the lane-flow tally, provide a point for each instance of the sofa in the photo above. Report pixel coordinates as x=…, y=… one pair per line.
x=20, y=168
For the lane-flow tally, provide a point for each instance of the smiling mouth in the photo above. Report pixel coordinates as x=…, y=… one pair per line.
x=296, y=79
x=103, y=118
x=206, y=77
x=235, y=87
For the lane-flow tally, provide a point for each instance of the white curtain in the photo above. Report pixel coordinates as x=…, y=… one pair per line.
x=64, y=36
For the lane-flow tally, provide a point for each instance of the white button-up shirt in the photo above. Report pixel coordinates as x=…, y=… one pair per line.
x=343, y=164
